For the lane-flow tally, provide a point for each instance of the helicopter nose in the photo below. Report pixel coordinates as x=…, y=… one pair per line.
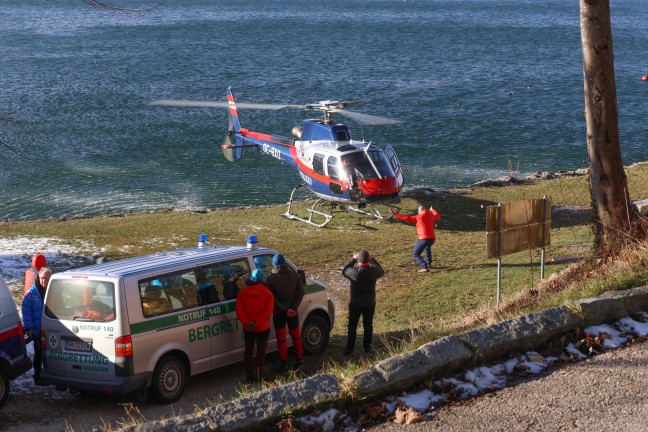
x=376, y=188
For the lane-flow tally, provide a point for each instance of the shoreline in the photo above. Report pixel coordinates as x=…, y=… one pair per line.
x=509, y=180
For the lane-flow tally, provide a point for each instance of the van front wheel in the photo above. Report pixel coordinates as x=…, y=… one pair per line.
x=4, y=386
x=169, y=380
x=315, y=334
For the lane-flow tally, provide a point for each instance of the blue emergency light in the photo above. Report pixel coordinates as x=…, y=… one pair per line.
x=203, y=239
x=252, y=242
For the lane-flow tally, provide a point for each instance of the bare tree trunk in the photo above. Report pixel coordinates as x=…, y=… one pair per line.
x=613, y=211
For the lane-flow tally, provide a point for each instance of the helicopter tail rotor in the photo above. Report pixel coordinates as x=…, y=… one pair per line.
x=231, y=152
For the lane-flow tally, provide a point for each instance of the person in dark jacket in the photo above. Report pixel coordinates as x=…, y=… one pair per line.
x=32, y=311
x=363, y=272
x=288, y=291
x=424, y=221
x=254, y=306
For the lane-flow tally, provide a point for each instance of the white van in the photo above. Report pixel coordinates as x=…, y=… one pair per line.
x=147, y=323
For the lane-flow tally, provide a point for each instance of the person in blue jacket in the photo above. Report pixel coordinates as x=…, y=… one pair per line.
x=32, y=311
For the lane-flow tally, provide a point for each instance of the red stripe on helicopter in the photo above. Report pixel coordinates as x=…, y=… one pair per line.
x=309, y=171
x=270, y=138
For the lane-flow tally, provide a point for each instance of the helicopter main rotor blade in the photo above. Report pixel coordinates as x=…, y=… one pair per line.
x=208, y=104
x=365, y=119
x=334, y=107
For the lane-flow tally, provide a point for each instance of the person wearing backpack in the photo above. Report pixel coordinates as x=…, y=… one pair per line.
x=288, y=291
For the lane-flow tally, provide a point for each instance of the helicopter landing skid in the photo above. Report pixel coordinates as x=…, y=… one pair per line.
x=373, y=212
x=311, y=212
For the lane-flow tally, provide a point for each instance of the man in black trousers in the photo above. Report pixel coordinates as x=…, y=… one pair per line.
x=363, y=272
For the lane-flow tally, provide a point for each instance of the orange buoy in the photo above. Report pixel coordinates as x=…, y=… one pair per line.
x=644, y=78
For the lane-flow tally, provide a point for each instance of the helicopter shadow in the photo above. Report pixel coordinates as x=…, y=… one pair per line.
x=461, y=212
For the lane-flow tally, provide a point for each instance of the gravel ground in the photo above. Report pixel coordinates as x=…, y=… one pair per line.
x=608, y=392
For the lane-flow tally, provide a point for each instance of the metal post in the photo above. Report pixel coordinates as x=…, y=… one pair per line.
x=544, y=222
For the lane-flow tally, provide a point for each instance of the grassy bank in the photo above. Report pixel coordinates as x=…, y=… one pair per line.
x=459, y=292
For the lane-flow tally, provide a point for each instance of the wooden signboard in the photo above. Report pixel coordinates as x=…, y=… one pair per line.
x=518, y=226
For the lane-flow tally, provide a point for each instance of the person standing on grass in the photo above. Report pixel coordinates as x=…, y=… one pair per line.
x=254, y=306
x=363, y=272
x=288, y=291
x=32, y=310
x=424, y=221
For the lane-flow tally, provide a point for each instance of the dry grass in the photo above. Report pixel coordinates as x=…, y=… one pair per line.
x=412, y=308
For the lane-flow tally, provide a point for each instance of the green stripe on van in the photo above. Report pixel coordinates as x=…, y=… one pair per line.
x=313, y=288
x=181, y=318
x=194, y=315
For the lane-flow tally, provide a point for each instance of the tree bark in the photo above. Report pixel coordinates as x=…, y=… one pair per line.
x=612, y=209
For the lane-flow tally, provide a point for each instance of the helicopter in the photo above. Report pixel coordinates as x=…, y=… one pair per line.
x=341, y=172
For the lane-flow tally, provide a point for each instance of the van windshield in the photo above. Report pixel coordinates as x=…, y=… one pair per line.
x=80, y=300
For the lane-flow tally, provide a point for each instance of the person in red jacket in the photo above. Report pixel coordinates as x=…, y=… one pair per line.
x=424, y=221
x=254, y=306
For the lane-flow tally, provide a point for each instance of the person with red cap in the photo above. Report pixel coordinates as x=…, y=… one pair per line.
x=424, y=221
x=31, y=274
x=254, y=306
x=288, y=291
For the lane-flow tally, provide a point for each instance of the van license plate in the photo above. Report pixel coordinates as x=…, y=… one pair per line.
x=78, y=346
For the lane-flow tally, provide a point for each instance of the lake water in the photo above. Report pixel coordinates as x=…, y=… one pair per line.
x=482, y=88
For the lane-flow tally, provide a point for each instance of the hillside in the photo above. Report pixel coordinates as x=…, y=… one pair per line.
x=455, y=294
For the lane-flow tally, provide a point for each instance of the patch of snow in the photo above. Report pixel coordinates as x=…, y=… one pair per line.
x=326, y=420
x=16, y=255
x=611, y=337
x=633, y=327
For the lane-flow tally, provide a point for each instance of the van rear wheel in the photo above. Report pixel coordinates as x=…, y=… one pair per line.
x=315, y=334
x=4, y=386
x=169, y=380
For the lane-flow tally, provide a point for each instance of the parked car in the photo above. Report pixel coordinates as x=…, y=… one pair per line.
x=14, y=360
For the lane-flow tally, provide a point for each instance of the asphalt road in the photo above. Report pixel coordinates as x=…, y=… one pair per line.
x=608, y=392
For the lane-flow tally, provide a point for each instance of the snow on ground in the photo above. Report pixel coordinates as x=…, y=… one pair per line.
x=16, y=255
x=485, y=379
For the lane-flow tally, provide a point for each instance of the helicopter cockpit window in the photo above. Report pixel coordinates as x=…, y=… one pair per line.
x=383, y=166
x=357, y=166
x=318, y=163
x=331, y=167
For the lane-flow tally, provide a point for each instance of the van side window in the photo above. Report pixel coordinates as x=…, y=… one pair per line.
x=228, y=277
x=264, y=263
x=206, y=291
x=154, y=296
x=191, y=288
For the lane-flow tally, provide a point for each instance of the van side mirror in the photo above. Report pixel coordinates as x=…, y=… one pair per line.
x=302, y=275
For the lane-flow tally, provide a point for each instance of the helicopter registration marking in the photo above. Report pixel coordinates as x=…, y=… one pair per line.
x=274, y=152
x=306, y=178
